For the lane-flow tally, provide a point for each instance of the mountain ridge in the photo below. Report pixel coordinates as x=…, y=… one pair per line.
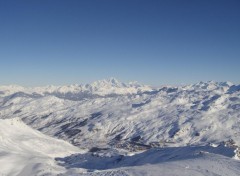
x=170, y=112
x=105, y=87
x=101, y=88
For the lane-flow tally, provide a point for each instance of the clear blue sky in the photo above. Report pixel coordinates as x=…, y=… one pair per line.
x=152, y=41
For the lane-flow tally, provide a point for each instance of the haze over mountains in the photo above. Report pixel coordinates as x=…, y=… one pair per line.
x=107, y=121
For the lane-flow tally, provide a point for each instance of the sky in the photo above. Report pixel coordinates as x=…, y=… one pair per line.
x=154, y=42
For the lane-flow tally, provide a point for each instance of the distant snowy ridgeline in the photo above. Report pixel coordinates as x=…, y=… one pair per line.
x=109, y=87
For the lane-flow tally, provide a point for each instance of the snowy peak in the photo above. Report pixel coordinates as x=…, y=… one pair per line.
x=111, y=82
x=114, y=83
x=113, y=86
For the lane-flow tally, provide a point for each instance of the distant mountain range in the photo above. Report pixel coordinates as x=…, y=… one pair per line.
x=108, y=87
x=107, y=110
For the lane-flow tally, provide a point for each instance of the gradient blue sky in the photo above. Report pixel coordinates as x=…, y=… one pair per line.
x=152, y=41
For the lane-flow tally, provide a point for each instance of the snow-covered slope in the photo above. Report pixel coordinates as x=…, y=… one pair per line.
x=108, y=115
x=179, y=161
x=24, y=151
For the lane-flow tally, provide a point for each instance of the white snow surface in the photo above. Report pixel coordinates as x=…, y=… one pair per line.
x=25, y=151
x=186, y=128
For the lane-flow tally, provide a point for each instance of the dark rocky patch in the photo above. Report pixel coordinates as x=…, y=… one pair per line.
x=136, y=139
x=196, y=102
x=96, y=115
x=205, y=108
x=140, y=104
x=151, y=92
x=46, y=116
x=96, y=149
x=17, y=111
x=206, y=104
x=171, y=90
x=144, y=146
x=234, y=99
x=174, y=130
x=235, y=106
x=212, y=99
x=173, y=133
x=118, y=137
x=65, y=126
x=233, y=89
x=72, y=132
x=194, y=107
x=82, y=123
x=197, y=134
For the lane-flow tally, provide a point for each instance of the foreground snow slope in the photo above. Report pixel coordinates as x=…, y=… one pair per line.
x=179, y=161
x=24, y=151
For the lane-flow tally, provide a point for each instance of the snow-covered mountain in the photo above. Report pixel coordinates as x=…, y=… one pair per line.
x=109, y=115
x=107, y=87
x=25, y=151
